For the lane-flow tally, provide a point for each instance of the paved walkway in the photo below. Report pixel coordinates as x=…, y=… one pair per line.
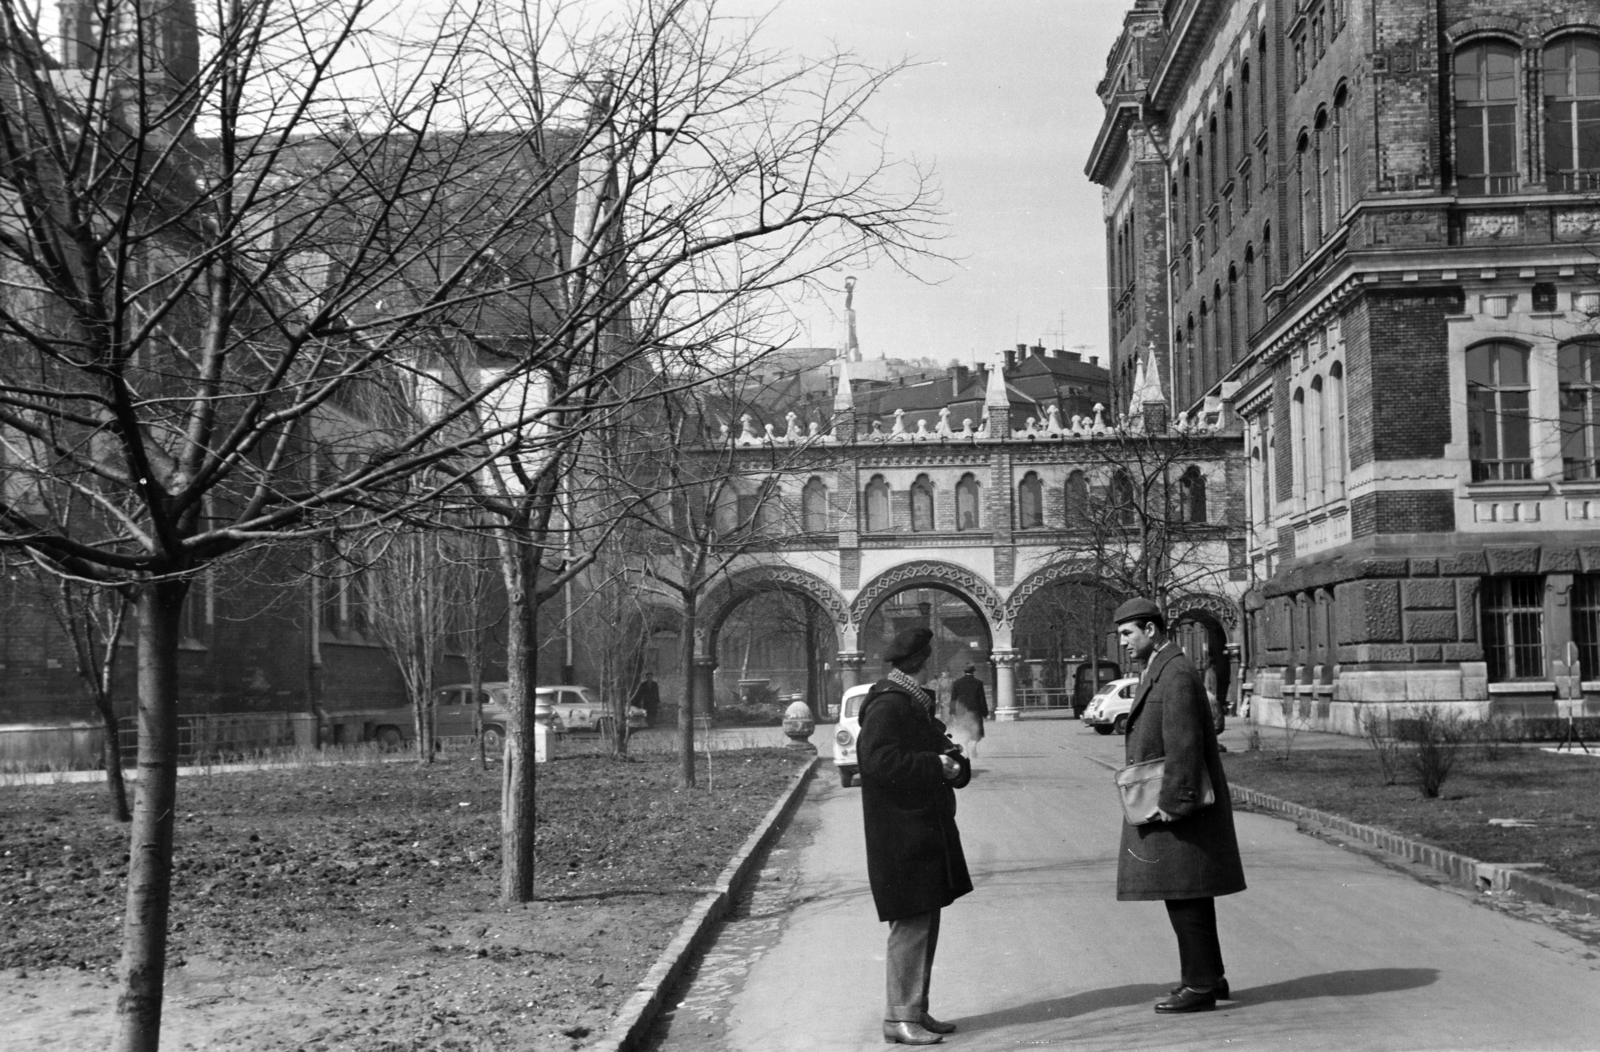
x=1327, y=950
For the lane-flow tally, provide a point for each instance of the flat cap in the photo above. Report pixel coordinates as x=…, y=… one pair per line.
x=1138, y=610
x=910, y=642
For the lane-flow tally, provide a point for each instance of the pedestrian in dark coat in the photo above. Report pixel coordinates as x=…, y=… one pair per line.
x=968, y=709
x=909, y=773
x=1189, y=855
x=647, y=696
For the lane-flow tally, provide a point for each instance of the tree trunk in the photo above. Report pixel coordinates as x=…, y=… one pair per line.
x=813, y=672
x=686, y=709
x=518, y=782
x=111, y=753
x=144, y=932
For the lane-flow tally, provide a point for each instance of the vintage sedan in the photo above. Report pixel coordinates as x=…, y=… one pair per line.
x=849, y=729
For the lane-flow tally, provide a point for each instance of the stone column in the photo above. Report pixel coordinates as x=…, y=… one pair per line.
x=850, y=664
x=1005, y=685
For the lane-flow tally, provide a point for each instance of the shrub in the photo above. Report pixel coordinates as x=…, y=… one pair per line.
x=1433, y=745
x=1378, y=732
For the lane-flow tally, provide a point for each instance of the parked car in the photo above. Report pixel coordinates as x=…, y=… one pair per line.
x=1085, y=687
x=1108, y=710
x=580, y=709
x=453, y=713
x=844, y=738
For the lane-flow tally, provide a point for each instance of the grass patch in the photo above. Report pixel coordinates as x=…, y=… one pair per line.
x=1559, y=794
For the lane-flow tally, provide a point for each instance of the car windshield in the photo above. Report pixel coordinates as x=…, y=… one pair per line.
x=853, y=705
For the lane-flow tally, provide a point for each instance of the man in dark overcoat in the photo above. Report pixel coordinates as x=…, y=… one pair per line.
x=1188, y=855
x=647, y=696
x=968, y=709
x=909, y=773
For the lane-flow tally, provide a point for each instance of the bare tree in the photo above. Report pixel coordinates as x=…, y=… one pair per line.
x=408, y=609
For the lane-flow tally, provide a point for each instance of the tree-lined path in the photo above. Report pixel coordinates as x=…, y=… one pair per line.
x=1327, y=950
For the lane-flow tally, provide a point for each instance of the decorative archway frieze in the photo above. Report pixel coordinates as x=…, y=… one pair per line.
x=927, y=573
x=1078, y=569
x=1219, y=608
x=754, y=580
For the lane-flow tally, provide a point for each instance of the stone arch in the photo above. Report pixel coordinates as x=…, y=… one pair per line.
x=1218, y=618
x=928, y=573
x=755, y=580
x=1080, y=570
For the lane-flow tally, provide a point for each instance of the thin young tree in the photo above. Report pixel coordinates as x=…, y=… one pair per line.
x=408, y=610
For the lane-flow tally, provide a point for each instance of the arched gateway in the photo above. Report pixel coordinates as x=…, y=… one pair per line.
x=864, y=508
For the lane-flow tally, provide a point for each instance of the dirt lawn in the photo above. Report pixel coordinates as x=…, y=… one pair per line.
x=353, y=907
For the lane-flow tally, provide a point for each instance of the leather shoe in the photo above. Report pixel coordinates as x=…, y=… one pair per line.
x=1221, y=990
x=936, y=1026
x=907, y=1033
x=1187, y=1000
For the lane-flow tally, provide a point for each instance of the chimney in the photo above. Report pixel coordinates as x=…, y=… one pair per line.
x=1038, y=350
x=958, y=376
x=1071, y=356
x=1094, y=359
x=1011, y=356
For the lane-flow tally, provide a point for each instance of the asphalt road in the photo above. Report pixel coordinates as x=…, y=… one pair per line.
x=1328, y=949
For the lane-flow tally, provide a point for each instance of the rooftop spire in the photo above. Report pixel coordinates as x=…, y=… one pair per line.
x=1147, y=382
x=995, y=396
x=843, y=398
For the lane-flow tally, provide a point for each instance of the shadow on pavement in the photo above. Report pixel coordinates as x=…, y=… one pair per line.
x=1066, y=1007
x=1348, y=983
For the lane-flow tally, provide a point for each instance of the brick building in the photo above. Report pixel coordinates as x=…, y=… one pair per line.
x=1370, y=231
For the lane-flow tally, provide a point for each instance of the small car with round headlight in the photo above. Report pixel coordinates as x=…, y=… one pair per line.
x=1108, y=710
x=848, y=730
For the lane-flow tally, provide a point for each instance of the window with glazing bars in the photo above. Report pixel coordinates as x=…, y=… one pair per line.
x=1586, y=623
x=1578, y=364
x=1486, y=119
x=1497, y=412
x=1572, y=114
x=1513, y=627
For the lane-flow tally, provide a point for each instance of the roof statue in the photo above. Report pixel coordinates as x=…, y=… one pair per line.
x=850, y=348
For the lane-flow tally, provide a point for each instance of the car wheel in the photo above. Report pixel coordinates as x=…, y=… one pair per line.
x=1102, y=729
x=1121, y=726
x=389, y=738
x=494, y=741
x=846, y=776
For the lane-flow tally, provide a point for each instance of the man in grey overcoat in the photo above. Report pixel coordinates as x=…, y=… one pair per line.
x=1188, y=855
x=909, y=773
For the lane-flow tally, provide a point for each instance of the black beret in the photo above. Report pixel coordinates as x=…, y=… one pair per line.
x=908, y=643
x=1140, y=610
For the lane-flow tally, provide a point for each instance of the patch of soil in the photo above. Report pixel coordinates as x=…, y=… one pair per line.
x=1559, y=795
x=354, y=907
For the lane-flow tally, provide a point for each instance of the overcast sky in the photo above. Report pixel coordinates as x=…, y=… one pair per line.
x=1004, y=107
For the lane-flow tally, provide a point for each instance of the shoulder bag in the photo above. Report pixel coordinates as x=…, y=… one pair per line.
x=1139, y=786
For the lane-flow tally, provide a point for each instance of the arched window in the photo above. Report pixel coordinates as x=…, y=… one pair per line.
x=1297, y=425
x=1486, y=118
x=1192, y=496
x=1261, y=81
x=1227, y=134
x=1030, y=502
x=725, y=517
x=922, y=504
x=1233, y=317
x=967, y=503
x=1578, y=364
x=1244, y=108
x=1497, y=411
x=1211, y=161
x=1341, y=152
x=1306, y=192
x=1316, y=443
x=878, y=520
x=1249, y=289
x=1334, y=458
x=1186, y=216
x=1266, y=258
x=1572, y=114
x=1219, y=351
x=1121, y=498
x=769, y=505
x=814, y=506
x=1326, y=195
x=1077, y=499
x=1200, y=358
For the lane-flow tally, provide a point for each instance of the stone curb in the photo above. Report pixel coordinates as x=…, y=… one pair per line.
x=1481, y=876
x=640, y=1011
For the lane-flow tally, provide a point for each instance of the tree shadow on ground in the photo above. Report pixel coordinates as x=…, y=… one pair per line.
x=1349, y=983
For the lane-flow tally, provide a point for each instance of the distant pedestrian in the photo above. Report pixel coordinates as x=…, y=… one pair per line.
x=909, y=773
x=968, y=709
x=1186, y=854
x=647, y=696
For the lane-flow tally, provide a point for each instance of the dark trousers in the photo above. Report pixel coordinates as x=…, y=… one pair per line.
x=909, y=966
x=1194, y=921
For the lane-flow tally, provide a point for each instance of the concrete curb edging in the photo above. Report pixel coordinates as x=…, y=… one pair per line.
x=1481, y=876
x=641, y=1010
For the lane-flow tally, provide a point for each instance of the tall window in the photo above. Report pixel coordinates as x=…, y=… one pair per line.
x=1030, y=502
x=1486, y=119
x=1266, y=258
x=1586, y=622
x=1513, y=627
x=1211, y=163
x=1334, y=452
x=1244, y=110
x=1219, y=351
x=1579, y=366
x=1572, y=114
x=922, y=504
x=967, y=503
x=814, y=506
x=1227, y=136
x=1341, y=148
x=1306, y=187
x=1261, y=83
x=1497, y=412
x=1297, y=424
x=1192, y=496
x=1327, y=206
x=1077, y=499
x=1121, y=494
x=1233, y=314
x=878, y=519
x=1316, y=442
x=1249, y=289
